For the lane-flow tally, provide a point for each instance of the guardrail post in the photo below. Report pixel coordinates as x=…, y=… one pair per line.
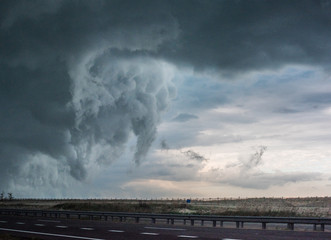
x=315, y=227
x=192, y=222
x=136, y=219
x=237, y=224
x=264, y=225
x=214, y=223
x=184, y=221
x=168, y=220
x=242, y=224
x=68, y=215
x=322, y=227
x=121, y=219
x=153, y=220
x=221, y=223
x=172, y=221
x=202, y=222
x=106, y=218
x=290, y=226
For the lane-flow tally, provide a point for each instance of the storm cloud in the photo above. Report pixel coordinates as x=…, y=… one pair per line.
x=75, y=84
x=79, y=80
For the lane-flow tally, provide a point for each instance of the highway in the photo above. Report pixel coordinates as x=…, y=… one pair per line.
x=47, y=228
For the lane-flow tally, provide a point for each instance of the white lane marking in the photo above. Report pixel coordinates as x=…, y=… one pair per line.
x=40, y=225
x=3, y=221
x=89, y=229
x=229, y=239
x=116, y=231
x=49, y=234
x=187, y=236
x=20, y=223
x=40, y=220
x=149, y=233
x=171, y=229
x=61, y=226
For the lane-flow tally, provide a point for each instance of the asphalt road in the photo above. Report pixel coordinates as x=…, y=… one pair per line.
x=43, y=228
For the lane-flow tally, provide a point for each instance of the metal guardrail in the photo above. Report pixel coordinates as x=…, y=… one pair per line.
x=170, y=218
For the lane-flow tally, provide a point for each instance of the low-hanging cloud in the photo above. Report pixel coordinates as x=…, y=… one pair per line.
x=194, y=155
x=188, y=154
x=114, y=96
x=76, y=86
x=246, y=173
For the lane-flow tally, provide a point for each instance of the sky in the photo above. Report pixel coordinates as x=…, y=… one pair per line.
x=156, y=99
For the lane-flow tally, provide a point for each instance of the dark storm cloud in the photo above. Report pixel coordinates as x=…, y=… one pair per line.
x=243, y=35
x=75, y=82
x=236, y=35
x=78, y=77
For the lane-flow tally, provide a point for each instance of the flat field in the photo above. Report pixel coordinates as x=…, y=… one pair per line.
x=283, y=207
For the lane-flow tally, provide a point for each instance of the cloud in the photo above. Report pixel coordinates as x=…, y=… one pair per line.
x=255, y=159
x=267, y=180
x=80, y=81
x=194, y=155
x=164, y=145
x=263, y=35
x=184, y=117
x=174, y=165
x=113, y=96
x=76, y=95
x=246, y=173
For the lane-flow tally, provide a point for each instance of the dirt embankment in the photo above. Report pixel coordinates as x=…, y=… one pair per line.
x=284, y=207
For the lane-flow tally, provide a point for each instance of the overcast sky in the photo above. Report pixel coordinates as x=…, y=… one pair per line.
x=165, y=98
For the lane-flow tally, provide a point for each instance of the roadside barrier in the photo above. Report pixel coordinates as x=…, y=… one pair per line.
x=170, y=218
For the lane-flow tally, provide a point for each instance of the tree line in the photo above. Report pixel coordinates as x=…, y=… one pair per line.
x=3, y=196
